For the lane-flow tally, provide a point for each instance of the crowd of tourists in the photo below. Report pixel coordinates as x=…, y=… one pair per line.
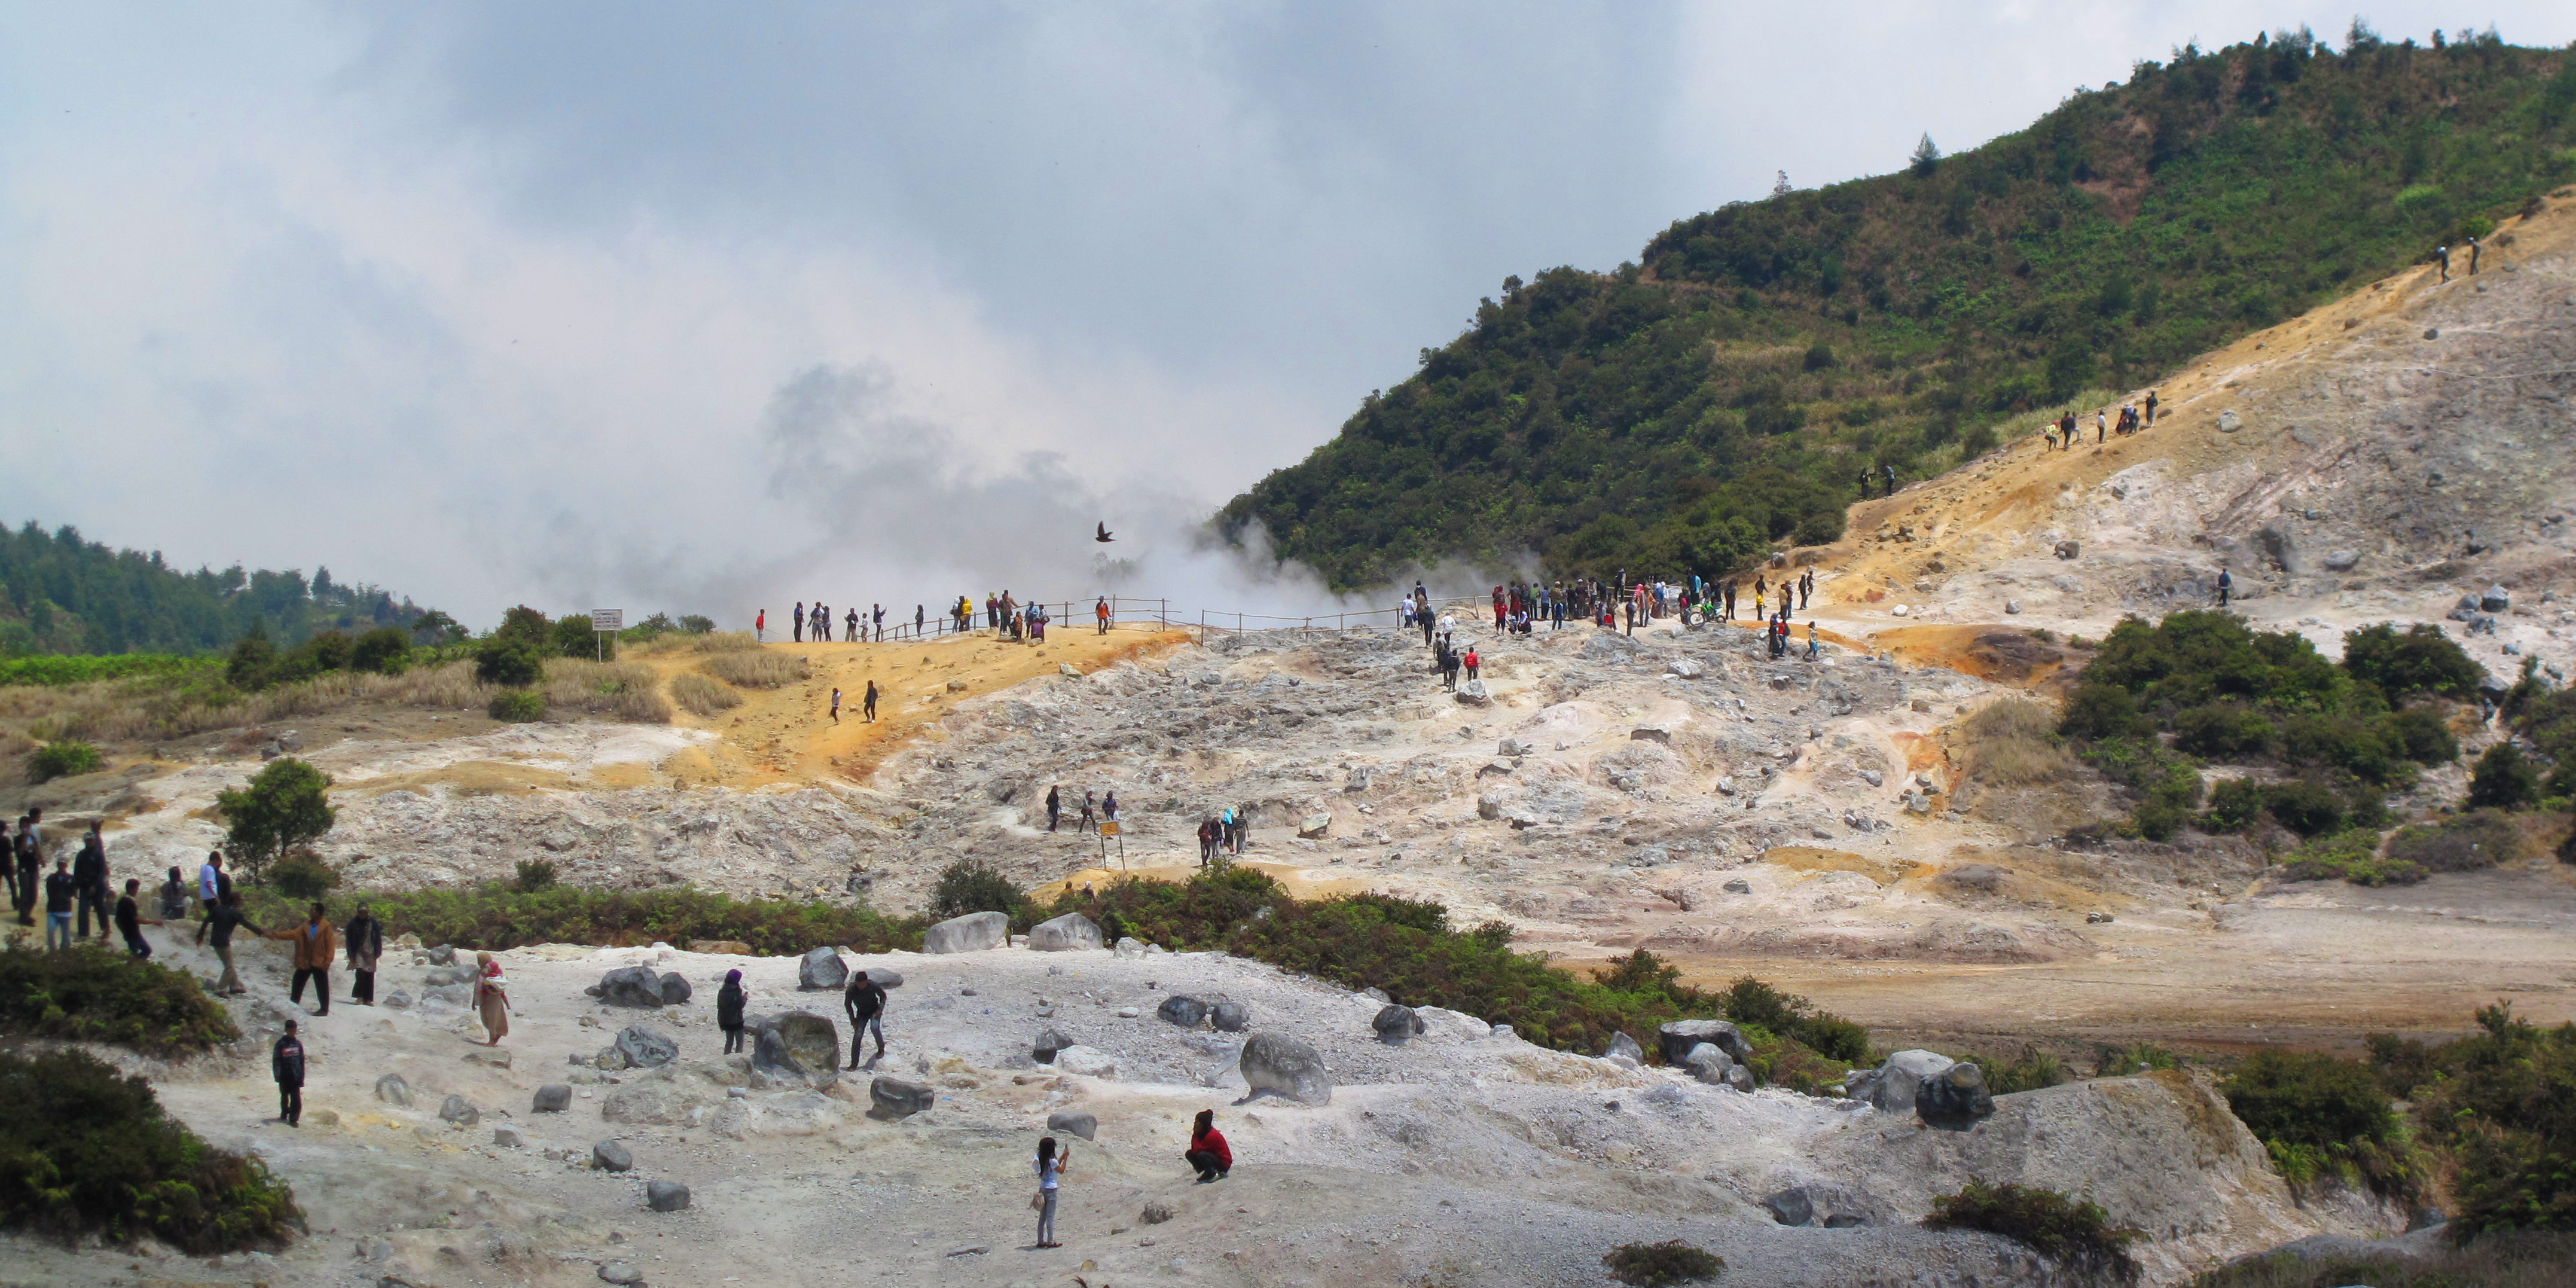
x=1001, y=613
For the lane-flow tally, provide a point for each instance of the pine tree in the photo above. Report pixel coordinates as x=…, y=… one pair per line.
x=1927, y=157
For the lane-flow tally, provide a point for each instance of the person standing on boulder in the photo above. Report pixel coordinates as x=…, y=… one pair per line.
x=316, y=943
x=286, y=1064
x=366, y=938
x=1207, y=1153
x=491, y=997
x=865, y=1003
x=729, y=1000
x=1050, y=1170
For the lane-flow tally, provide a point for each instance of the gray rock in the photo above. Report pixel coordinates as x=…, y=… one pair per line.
x=631, y=986
x=884, y=978
x=552, y=1098
x=891, y=1098
x=1067, y=933
x=2012, y=605
x=393, y=1090
x=1739, y=1077
x=1472, y=693
x=1511, y=747
x=1954, y=1098
x=508, y=1137
x=821, y=968
x=609, y=1156
x=1708, y=1063
x=2067, y=549
x=1182, y=1009
x=399, y=999
x=2342, y=560
x=1279, y=1065
x=666, y=1196
x=1376, y=994
x=1155, y=1214
x=460, y=1111
x=1088, y=1062
x=2496, y=599
x=620, y=1273
x=1890, y=1088
x=1685, y=668
x=1815, y=1204
x=1623, y=1045
x=1397, y=1023
x=1049, y=1042
x=974, y=932
x=1078, y=1124
x=2229, y=422
x=1314, y=827
x=1737, y=886
x=644, y=1048
x=443, y=955
x=1230, y=1017
x=675, y=990
x=798, y=1044
x=1678, y=1037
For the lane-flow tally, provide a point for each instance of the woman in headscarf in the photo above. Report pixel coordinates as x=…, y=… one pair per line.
x=729, y=1001
x=1207, y=1153
x=492, y=997
x=365, y=937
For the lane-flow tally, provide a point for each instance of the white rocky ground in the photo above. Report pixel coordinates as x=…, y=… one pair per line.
x=1459, y=1157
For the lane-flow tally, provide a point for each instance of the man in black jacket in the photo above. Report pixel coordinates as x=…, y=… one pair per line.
x=30, y=849
x=60, y=889
x=865, y=1003
x=130, y=920
x=286, y=1064
x=89, y=874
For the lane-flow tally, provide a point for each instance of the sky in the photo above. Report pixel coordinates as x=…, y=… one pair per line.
x=699, y=308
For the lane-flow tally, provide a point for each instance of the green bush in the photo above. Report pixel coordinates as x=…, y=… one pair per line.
x=2348, y=856
x=2123, y=1062
x=1660, y=1265
x=495, y=917
x=2503, y=1102
x=303, y=876
x=2075, y=1234
x=2426, y=736
x=2306, y=807
x=286, y=807
x=2031, y=1070
x=2465, y=843
x=534, y=875
x=2319, y=1115
x=2102, y=711
x=2233, y=806
x=969, y=885
x=91, y=994
x=510, y=661
x=385, y=650
x=2423, y=660
x=2224, y=730
x=2522, y=1259
x=61, y=759
x=86, y=1152
x=2504, y=779
x=518, y=706
x=53, y=671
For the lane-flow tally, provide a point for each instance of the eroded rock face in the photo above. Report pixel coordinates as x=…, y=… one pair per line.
x=1277, y=1064
x=1954, y=1098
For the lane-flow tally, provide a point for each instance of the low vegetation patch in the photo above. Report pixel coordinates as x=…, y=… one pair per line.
x=2072, y=1232
x=1658, y=1265
x=87, y=1152
x=2465, y=843
x=498, y=916
x=2522, y=1259
x=2351, y=855
x=2014, y=743
x=58, y=671
x=2502, y=1103
x=701, y=696
x=2029, y=1070
x=970, y=885
x=756, y=669
x=517, y=706
x=2123, y=1062
x=61, y=759
x=2323, y=1117
x=90, y=994
x=624, y=691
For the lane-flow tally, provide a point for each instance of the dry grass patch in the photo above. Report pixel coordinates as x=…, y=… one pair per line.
x=758, y=669
x=2014, y=743
x=727, y=642
x=701, y=696
x=620, y=690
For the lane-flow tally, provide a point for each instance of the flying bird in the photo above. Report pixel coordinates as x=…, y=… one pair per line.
x=1104, y=534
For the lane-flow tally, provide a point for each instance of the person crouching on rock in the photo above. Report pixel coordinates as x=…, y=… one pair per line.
x=1207, y=1151
x=492, y=997
x=729, y=1001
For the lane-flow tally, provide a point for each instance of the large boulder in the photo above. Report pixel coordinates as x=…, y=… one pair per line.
x=1397, y=1023
x=1064, y=934
x=1074, y=1123
x=552, y=1098
x=891, y=1098
x=675, y=989
x=630, y=986
x=1090, y=1062
x=1277, y=1064
x=1890, y=1088
x=972, y=933
x=609, y=1156
x=1182, y=1009
x=821, y=968
x=1954, y=1098
x=798, y=1043
x=644, y=1048
x=1678, y=1037
x=665, y=1196
x=1230, y=1017
x=1708, y=1064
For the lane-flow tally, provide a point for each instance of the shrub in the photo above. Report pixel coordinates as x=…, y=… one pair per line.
x=93, y=995
x=2466, y=843
x=757, y=669
x=694, y=624
x=2348, y=856
x=534, y=875
x=2426, y=735
x=2224, y=730
x=2319, y=1115
x=1657, y=1265
x=2423, y=660
x=2102, y=711
x=701, y=696
x=518, y=706
x=85, y=1151
x=286, y=807
x=573, y=637
x=2503, y=1101
x=495, y=917
x=969, y=885
x=2075, y=1234
x=2122, y=1062
x=2504, y=779
x=385, y=650
x=2158, y=820
x=303, y=876
x=61, y=759
x=2234, y=804
x=510, y=661
x=2306, y=807
x=2031, y=1070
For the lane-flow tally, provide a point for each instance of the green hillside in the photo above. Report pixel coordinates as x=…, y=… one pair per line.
x=1723, y=392
x=60, y=594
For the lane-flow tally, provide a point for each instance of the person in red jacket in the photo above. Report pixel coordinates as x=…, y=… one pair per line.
x=1207, y=1150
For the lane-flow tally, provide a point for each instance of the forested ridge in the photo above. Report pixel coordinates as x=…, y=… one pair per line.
x=63, y=594
x=1725, y=391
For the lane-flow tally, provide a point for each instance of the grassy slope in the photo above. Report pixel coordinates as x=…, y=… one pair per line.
x=1723, y=393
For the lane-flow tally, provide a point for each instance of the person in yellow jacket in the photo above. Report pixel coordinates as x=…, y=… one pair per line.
x=316, y=942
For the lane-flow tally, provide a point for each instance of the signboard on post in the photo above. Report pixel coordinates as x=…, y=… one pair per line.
x=605, y=622
x=1109, y=828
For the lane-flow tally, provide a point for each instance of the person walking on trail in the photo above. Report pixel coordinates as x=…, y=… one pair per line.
x=317, y=942
x=868, y=702
x=286, y=1064
x=2226, y=584
x=836, y=704
x=796, y=621
x=2151, y=409
x=1864, y=482
x=89, y=873
x=1207, y=1154
x=729, y=1001
x=130, y=920
x=1050, y=1164
x=1448, y=663
x=492, y=997
x=1055, y=806
x=760, y=627
x=365, y=937
x=2442, y=257
x=60, y=889
x=1087, y=811
x=2474, y=248
x=1812, y=649
x=225, y=918
x=1448, y=629
x=1472, y=661
x=1100, y=613
x=864, y=1000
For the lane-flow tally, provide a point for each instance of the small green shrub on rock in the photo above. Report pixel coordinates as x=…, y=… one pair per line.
x=61, y=759
x=85, y=1151
x=2071, y=1232
x=1658, y=1265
